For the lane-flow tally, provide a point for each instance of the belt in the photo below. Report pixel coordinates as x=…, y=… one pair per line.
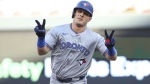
x=67, y=80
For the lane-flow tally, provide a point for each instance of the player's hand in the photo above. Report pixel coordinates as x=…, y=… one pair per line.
x=40, y=29
x=110, y=41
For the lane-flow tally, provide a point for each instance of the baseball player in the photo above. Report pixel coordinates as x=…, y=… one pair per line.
x=72, y=46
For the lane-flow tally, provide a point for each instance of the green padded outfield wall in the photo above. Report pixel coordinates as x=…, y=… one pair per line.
x=22, y=44
x=133, y=47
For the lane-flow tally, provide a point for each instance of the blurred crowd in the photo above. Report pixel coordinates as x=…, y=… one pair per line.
x=27, y=8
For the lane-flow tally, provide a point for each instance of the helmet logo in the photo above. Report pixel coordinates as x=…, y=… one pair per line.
x=85, y=4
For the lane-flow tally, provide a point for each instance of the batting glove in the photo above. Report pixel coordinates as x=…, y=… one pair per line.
x=110, y=41
x=40, y=29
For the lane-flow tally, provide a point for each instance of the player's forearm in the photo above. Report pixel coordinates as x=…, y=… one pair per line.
x=43, y=51
x=41, y=46
x=112, y=58
x=111, y=54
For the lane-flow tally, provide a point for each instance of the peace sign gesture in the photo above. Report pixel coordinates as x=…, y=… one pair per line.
x=40, y=29
x=110, y=41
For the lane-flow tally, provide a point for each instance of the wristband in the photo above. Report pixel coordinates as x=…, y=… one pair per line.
x=111, y=51
x=41, y=42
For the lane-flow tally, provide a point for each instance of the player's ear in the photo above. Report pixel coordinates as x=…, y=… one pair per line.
x=74, y=13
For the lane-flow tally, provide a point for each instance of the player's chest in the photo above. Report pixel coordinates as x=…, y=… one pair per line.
x=83, y=40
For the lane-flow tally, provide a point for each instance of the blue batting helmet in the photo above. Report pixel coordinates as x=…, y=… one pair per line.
x=85, y=5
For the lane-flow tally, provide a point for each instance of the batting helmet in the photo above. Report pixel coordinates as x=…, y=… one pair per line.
x=85, y=5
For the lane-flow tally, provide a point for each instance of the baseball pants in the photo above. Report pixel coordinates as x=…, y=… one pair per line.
x=53, y=80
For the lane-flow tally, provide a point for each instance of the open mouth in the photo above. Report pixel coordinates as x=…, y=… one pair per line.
x=80, y=19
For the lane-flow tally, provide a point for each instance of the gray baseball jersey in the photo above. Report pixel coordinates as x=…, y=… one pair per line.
x=71, y=53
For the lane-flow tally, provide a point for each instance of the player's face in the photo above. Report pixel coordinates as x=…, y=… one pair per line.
x=82, y=17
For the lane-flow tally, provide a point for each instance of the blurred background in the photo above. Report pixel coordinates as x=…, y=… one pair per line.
x=20, y=63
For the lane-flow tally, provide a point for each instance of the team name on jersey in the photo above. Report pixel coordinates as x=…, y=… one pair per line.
x=78, y=47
